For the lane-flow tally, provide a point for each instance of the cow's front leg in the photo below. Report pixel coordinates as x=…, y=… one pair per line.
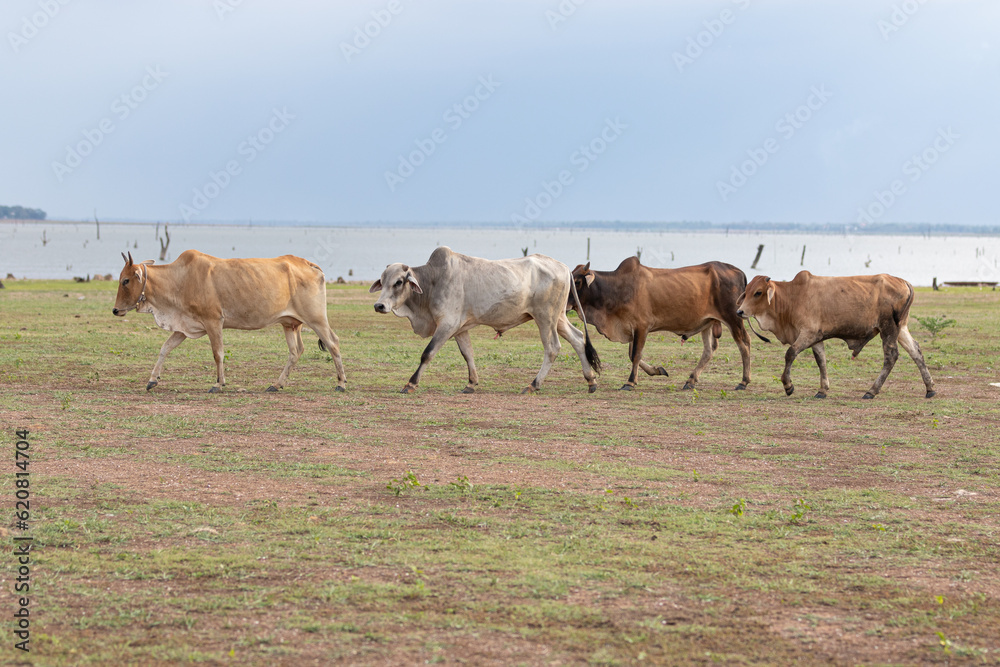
x=465, y=347
x=652, y=370
x=786, y=377
x=175, y=339
x=635, y=356
x=708, y=350
x=215, y=338
x=293, y=336
x=440, y=337
x=890, y=353
x=819, y=353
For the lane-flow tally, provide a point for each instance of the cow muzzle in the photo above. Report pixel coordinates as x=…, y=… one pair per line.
x=381, y=308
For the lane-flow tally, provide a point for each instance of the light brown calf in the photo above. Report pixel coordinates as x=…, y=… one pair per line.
x=811, y=309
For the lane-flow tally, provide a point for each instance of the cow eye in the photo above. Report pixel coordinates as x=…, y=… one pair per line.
x=398, y=283
x=125, y=282
x=757, y=293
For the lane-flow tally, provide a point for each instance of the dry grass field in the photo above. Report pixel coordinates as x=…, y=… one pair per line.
x=310, y=527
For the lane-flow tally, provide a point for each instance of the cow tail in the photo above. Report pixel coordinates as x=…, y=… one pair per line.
x=589, y=349
x=897, y=315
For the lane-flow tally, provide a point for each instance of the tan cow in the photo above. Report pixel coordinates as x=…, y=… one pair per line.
x=199, y=294
x=453, y=293
x=811, y=309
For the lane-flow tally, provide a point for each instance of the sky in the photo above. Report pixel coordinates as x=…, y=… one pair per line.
x=503, y=111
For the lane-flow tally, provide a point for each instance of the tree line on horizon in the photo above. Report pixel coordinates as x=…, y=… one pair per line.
x=21, y=213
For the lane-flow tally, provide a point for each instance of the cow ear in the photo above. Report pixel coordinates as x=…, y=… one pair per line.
x=770, y=293
x=589, y=276
x=413, y=281
x=376, y=286
x=149, y=261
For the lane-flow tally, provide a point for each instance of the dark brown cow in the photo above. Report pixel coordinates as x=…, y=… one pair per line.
x=811, y=309
x=633, y=300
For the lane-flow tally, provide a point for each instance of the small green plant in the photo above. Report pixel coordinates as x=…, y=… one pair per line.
x=935, y=325
x=944, y=642
x=799, y=510
x=879, y=527
x=694, y=475
x=64, y=399
x=407, y=481
x=462, y=484
x=738, y=508
x=629, y=503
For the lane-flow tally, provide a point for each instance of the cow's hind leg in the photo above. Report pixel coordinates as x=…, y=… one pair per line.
x=547, y=330
x=293, y=336
x=175, y=339
x=911, y=347
x=742, y=338
x=819, y=353
x=465, y=347
x=706, y=356
x=890, y=353
x=578, y=341
x=218, y=352
x=329, y=342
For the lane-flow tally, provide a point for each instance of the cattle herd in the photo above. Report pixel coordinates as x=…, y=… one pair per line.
x=452, y=293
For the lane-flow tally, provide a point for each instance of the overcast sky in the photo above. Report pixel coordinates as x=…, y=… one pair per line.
x=503, y=110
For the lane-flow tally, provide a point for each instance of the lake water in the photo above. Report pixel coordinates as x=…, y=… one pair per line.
x=64, y=250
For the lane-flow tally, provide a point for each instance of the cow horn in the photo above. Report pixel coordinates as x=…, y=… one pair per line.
x=130, y=258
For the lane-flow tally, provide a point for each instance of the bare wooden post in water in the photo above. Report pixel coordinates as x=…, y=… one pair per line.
x=756, y=259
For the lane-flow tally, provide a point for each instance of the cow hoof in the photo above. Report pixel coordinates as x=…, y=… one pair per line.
x=627, y=387
x=819, y=394
x=407, y=389
x=272, y=389
x=340, y=389
x=591, y=389
x=214, y=390
x=789, y=391
x=469, y=390
x=687, y=386
x=868, y=395
x=930, y=394
x=660, y=370
x=150, y=385
x=740, y=387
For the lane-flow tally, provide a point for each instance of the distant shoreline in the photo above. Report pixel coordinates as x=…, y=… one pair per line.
x=906, y=229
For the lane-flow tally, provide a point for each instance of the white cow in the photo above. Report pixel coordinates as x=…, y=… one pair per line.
x=452, y=293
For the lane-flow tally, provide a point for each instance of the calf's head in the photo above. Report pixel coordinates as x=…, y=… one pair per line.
x=396, y=284
x=131, y=286
x=755, y=298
